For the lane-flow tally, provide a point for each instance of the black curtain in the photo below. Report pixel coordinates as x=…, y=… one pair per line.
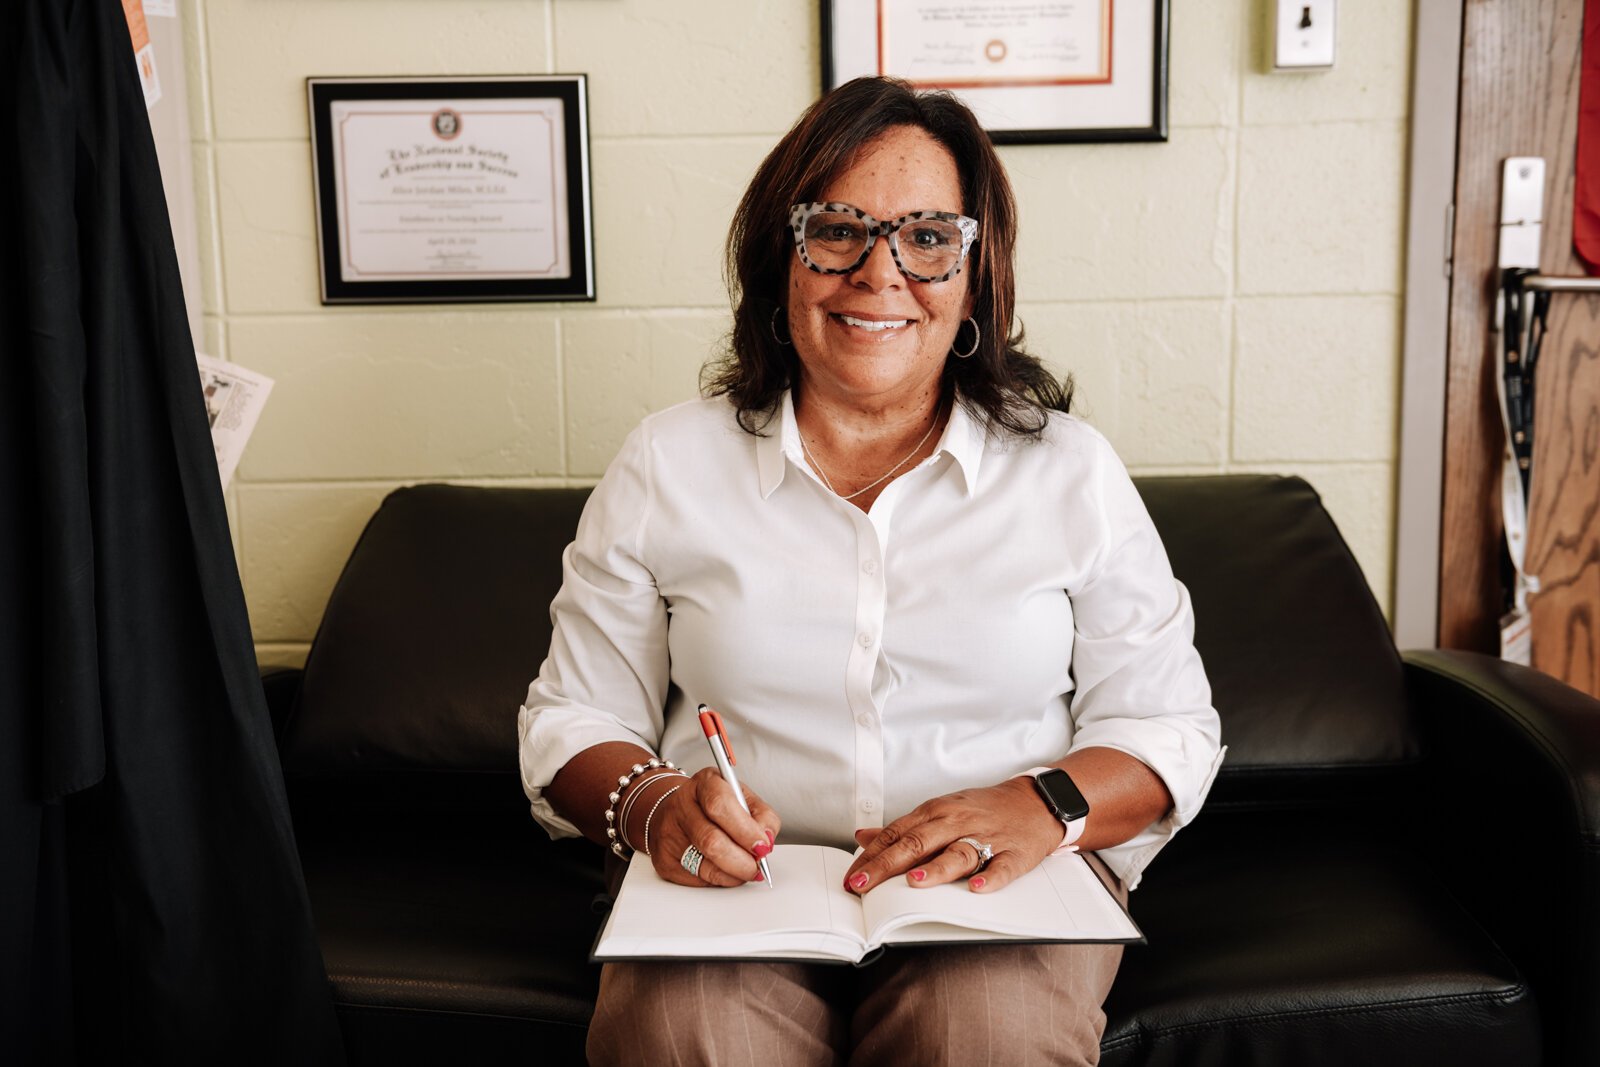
x=152, y=908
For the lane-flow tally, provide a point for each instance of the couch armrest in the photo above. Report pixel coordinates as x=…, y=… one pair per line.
x=282, y=686
x=1559, y=724
x=1515, y=785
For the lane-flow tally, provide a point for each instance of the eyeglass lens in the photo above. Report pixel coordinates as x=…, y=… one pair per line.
x=835, y=240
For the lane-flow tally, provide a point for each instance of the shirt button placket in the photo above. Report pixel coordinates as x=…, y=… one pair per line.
x=870, y=611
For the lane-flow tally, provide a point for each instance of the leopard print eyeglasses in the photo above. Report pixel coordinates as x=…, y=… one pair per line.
x=928, y=246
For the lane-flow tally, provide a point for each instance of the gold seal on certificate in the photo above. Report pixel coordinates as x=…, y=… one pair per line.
x=451, y=191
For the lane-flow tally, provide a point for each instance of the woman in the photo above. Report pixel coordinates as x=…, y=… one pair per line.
x=908, y=581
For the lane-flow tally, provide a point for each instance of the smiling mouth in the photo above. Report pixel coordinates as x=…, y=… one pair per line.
x=873, y=325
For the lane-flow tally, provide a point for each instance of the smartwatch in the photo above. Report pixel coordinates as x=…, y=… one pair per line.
x=1062, y=796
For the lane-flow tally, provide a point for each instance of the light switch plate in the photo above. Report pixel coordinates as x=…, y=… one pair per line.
x=1304, y=34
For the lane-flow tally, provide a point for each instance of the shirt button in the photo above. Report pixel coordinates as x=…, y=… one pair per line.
x=870, y=567
x=868, y=806
x=865, y=640
x=865, y=719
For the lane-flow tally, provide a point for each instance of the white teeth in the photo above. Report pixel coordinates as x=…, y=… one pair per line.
x=866, y=324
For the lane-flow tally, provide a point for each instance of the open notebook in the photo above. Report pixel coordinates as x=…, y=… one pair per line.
x=811, y=916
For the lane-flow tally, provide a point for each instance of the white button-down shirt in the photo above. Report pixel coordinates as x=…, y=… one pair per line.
x=1002, y=604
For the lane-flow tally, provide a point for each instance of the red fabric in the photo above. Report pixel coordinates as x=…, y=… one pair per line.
x=1586, y=197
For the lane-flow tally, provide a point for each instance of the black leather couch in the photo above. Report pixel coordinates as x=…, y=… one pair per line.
x=1397, y=865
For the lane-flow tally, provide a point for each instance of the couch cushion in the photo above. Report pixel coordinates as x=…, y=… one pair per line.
x=1321, y=944
x=455, y=933
x=433, y=632
x=1303, y=669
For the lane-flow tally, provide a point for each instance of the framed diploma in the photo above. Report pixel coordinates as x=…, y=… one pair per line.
x=1032, y=70
x=433, y=190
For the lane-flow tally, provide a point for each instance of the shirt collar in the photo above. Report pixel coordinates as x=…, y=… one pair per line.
x=963, y=439
x=777, y=446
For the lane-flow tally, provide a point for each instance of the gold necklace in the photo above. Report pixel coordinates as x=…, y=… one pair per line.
x=880, y=478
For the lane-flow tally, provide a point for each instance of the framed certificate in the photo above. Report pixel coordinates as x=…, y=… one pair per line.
x=433, y=190
x=1032, y=70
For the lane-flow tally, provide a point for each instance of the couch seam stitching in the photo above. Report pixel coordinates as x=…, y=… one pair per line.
x=1155, y=1034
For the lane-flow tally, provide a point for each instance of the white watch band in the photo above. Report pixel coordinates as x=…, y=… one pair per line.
x=1074, y=827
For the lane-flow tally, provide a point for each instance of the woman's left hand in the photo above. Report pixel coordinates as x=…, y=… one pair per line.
x=925, y=845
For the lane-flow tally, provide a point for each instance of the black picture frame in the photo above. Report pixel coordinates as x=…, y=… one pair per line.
x=1151, y=127
x=571, y=90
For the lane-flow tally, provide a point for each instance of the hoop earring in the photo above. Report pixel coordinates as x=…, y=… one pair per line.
x=977, y=338
x=773, y=326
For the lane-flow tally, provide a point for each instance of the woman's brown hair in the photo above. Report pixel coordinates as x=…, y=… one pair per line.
x=1000, y=381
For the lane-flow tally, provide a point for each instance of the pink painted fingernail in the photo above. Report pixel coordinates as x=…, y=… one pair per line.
x=919, y=875
x=978, y=882
x=760, y=877
x=859, y=880
x=771, y=838
x=761, y=848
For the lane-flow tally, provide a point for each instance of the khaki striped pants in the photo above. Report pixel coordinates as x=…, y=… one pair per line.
x=967, y=1005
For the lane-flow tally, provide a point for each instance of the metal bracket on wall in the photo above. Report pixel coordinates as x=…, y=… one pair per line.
x=1549, y=283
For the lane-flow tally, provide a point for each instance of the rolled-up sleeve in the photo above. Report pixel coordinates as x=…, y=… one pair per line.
x=1139, y=686
x=606, y=676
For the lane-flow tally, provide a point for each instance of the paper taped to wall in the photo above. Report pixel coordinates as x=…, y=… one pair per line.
x=234, y=399
x=144, y=53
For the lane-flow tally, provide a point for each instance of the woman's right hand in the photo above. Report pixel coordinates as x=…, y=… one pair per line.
x=704, y=813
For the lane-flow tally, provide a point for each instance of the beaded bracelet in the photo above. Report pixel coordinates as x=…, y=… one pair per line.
x=652, y=814
x=623, y=781
x=635, y=793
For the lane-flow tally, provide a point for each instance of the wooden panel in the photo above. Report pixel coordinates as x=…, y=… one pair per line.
x=1564, y=519
x=1519, y=97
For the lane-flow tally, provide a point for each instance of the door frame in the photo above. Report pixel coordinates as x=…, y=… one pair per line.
x=1430, y=201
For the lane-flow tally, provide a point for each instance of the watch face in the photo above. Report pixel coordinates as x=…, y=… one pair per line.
x=1061, y=793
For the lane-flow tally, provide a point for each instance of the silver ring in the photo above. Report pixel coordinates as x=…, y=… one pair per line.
x=690, y=860
x=985, y=853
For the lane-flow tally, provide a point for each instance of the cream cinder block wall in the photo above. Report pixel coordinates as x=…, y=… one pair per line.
x=1229, y=300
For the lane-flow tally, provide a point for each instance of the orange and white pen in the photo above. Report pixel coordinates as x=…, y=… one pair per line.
x=711, y=723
